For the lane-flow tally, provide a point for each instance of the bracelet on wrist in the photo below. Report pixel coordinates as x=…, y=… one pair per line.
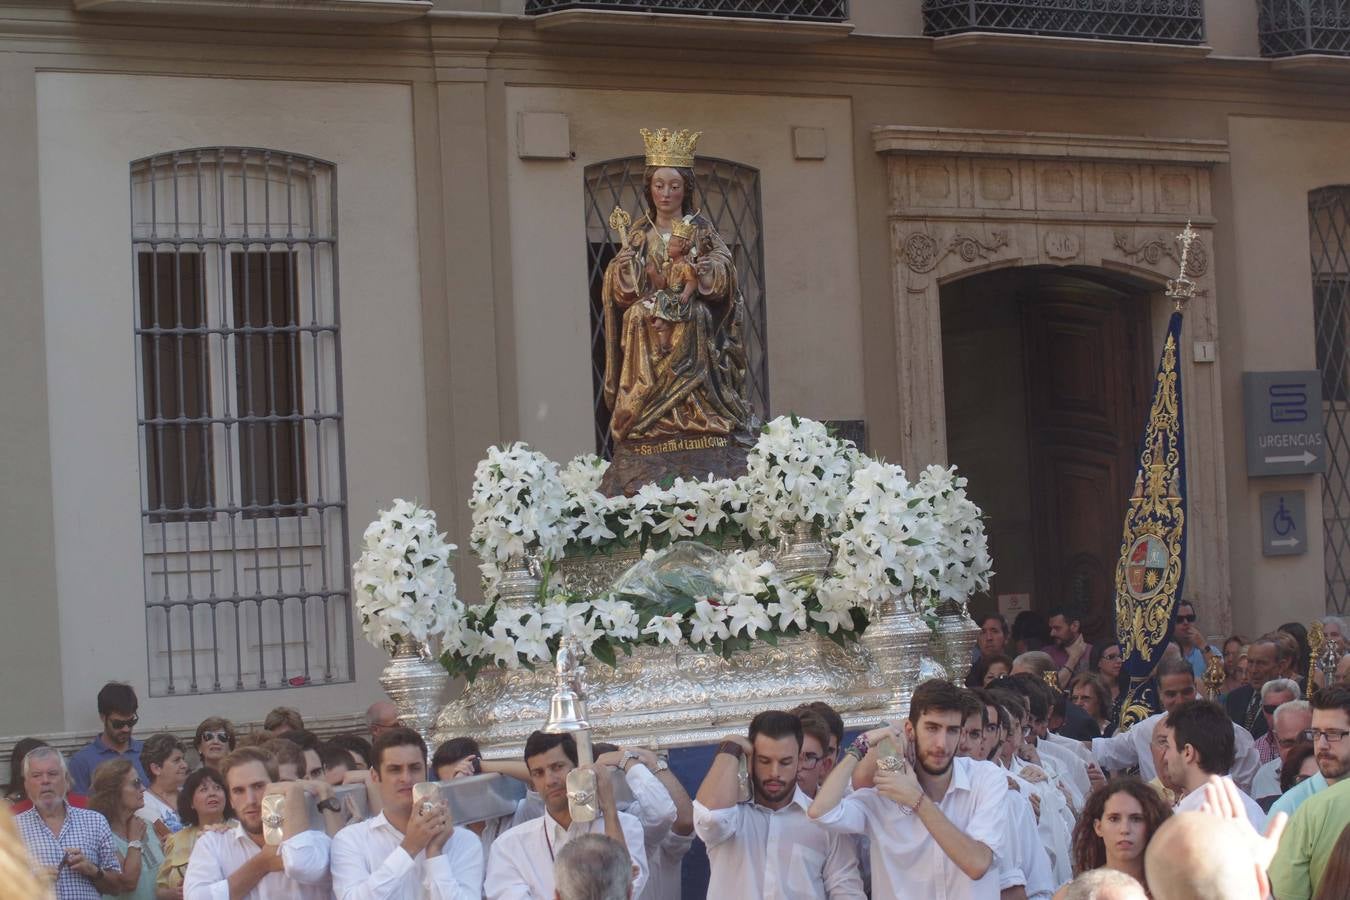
x=860, y=746
x=731, y=748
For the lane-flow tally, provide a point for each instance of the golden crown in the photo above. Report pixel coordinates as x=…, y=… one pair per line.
x=682, y=228
x=670, y=148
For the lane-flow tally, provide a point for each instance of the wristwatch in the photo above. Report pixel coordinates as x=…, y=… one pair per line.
x=329, y=805
x=662, y=765
x=629, y=756
x=135, y=845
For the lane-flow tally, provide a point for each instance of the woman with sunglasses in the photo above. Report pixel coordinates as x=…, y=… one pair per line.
x=116, y=792
x=203, y=803
x=214, y=741
x=1118, y=820
x=1106, y=662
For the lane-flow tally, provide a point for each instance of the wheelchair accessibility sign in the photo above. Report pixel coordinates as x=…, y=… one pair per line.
x=1283, y=524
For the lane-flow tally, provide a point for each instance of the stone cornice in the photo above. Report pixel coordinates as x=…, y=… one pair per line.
x=338, y=10
x=920, y=140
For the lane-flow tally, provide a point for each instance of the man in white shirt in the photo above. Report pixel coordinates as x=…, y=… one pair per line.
x=236, y=864
x=1024, y=866
x=1290, y=720
x=934, y=822
x=520, y=866
x=665, y=810
x=1202, y=745
x=768, y=847
x=1128, y=749
x=406, y=852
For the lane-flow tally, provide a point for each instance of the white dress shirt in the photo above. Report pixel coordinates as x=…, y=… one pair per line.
x=218, y=854
x=1054, y=827
x=906, y=860
x=651, y=805
x=1069, y=768
x=776, y=854
x=1255, y=814
x=369, y=863
x=666, y=861
x=521, y=864
x=1267, y=780
x=1027, y=862
x=1131, y=748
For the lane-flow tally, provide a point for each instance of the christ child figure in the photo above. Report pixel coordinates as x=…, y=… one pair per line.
x=672, y=301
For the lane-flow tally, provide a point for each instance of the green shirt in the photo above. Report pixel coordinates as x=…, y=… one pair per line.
x=151, y=857
x=1307, y=843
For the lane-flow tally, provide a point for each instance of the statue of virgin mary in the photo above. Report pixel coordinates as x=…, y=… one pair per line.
x=673, y=382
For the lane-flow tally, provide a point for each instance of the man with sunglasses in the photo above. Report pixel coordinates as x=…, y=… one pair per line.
x=1274, y=694
x=117, y=706
x=1194, y=647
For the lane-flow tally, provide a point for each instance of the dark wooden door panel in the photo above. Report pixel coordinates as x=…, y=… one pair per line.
x=1085, y=377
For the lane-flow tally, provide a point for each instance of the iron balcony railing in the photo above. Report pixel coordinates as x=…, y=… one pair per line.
x=1297, y=27
x=785, y=10
x=1152, y=21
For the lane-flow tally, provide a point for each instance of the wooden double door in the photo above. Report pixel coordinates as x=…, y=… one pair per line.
x=1088, y=373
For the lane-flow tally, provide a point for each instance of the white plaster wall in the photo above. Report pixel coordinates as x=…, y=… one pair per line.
x=810, y=248
x=1268, y=326
x=90, y=127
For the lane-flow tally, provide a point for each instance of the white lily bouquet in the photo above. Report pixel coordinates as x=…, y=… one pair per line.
x=922, y=540
x=405, y=587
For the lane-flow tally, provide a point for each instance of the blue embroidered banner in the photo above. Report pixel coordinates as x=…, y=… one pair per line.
x=1152, y=564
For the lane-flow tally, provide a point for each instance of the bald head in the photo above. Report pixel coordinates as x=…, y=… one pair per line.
x=380, y=716
x=1104, y=884
x=1196, y=856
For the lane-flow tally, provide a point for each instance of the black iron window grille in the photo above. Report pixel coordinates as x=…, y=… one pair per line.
x=239, y=413
x=1329, y=224
x=1150, y=21
x=1296, y=27
x=786, y=10
x=728, y=194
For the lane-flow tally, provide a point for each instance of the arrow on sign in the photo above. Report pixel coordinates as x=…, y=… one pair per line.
x=1305, y=457
x=1286, y=542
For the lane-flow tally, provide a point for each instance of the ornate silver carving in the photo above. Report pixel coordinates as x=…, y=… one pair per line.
x=803, y=553
x=415, y=682
x=896, y=638
x=956, y=635
x=519, y=585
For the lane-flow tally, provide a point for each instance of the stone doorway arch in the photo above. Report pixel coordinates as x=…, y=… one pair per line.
x=966, y=201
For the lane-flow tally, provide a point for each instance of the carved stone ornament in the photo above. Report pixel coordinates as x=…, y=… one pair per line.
x=1152, y=251
x=1061, y=245
x=922, y=254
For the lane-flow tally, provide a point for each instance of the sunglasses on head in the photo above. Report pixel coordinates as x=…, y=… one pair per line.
x=1187, y=619
x=221, y=736
x=119, y=724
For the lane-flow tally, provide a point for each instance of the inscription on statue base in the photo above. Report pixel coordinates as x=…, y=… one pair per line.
x=694, y=457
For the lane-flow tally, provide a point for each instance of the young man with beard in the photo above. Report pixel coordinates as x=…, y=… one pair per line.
x=520, y=866
x=934, y=821
x=1330, y=717
x=405, y=851
x=769, y=847
x=236, y=863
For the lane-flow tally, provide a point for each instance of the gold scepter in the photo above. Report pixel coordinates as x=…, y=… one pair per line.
x=620, y=221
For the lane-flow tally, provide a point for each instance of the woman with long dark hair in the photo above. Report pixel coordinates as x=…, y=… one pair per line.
x=1118, y=820
x=1106, y=661
x=202, y=803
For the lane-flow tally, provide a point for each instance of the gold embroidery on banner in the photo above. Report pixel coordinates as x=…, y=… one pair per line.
x=1150, y=566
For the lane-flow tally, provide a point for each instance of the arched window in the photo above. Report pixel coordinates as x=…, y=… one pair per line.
x=239, y=393
x=728, y=194
x=1329, y=226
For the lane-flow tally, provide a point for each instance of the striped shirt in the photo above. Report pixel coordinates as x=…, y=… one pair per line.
x=84, y=830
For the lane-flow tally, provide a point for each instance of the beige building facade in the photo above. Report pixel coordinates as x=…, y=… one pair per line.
x=960, y=241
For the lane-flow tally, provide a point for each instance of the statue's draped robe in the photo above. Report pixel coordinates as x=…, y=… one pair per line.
x=696, y=389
